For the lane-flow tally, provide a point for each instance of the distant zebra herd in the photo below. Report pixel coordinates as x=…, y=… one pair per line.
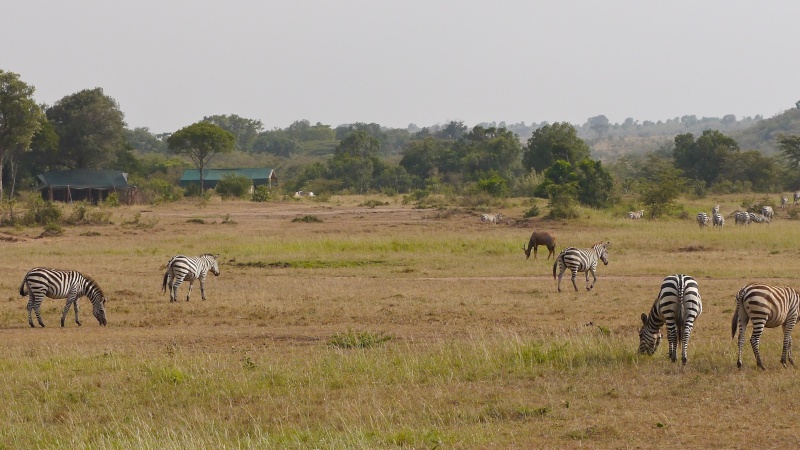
x=739, y=217
x=41, y=282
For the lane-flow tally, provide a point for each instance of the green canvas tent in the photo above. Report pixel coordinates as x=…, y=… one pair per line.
x=84, y=184
x=260, y=176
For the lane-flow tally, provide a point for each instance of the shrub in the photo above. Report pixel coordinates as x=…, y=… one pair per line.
x=41, y=212
x=158, y=191
x=112, y=200
x=234, y=186
x=262, y=194
x=352, y=339
x=533, y=212
x=307, y=219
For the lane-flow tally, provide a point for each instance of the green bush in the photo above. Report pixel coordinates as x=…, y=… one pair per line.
x=158, y=191
x=234, y=186
x=533, y=212
x=41, y=212
x=112, y=200
x=262, y=194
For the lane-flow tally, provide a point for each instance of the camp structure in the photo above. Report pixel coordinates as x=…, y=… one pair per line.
x=84, y=185
x=259, y=176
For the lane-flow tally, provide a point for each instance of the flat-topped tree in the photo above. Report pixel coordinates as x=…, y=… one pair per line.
x=201, y=141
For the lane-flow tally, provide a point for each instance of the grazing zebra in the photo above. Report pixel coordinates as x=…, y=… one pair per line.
x=491, y=218
x=39, y=283
x=715, y=210
x=583, y=260
x=767, y=212
x=742, y=217
x=758, y=218
x=181, y=268
x=636, y=215
x=765, y=306
x=796, y=197
x=678, y=305
x=702, y=219
x=784, y=201
x=718, y=220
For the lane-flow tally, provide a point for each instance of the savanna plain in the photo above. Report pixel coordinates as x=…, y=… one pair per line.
x=389, y=326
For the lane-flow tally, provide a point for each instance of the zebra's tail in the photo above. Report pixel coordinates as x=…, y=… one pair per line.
x=164, y=283
x=555, y=265
x=735, y=321
x=22, y=290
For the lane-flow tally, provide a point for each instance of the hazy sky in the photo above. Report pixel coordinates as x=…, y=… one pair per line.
x=169, y=63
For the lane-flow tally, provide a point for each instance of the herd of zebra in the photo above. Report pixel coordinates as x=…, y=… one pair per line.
x=679, y=303
x=41, y=282
x=740, y=217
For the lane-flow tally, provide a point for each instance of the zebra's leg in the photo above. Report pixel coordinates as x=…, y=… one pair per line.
x=77, y=318
x=742, y=329
x=672, y=337
x=37, y=306
x=203, y=286
x=755, y=341
x=30, y=310
x=173, y=292
x=787, y=342
x=574, y=275
x=562, y=269
x=191, y=283
x=594, y=280
x=687, y=333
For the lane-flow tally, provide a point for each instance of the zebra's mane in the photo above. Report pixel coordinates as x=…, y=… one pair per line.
x=91, y=282
x=208, y=254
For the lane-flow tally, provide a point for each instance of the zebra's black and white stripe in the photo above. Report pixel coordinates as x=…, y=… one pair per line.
x=188, y=268
x=796, y=198
x=758, y=218
x=767, y=212
x=678, y=305
x=784, y=201
x=767, y=307
x=718, y=220
x=39, y=283
x=702, y=219
x=581, y=260
x=715, y=210
x=741, y=218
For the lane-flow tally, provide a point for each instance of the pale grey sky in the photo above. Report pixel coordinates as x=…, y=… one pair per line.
x=169, y=63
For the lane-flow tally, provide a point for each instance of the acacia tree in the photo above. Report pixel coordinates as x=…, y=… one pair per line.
x=20, y=117
x=200, y=142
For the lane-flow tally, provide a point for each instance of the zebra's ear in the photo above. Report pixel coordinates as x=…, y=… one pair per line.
x=644, y=318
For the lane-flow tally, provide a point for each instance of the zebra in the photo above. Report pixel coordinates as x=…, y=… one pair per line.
x=188, y=268
x=758, y=218
x=583, y=260
x=796, y=197
x=491, y=218
x=741, y=218
x=678, y=305
x=715, y=210
x=784, y=201
x=718, y=219
x=765, y=306
x=636, y=215
x=702, y=219
x=767, y=212
x=40, y=282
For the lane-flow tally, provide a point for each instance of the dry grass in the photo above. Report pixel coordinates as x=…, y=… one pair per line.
x=460, y=342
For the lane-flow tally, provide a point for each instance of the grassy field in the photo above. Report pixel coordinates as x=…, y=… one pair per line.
x=388, y=327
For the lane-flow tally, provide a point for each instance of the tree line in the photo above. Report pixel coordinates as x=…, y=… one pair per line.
x=87, y=130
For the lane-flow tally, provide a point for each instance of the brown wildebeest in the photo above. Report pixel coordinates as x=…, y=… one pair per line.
x=540, y=238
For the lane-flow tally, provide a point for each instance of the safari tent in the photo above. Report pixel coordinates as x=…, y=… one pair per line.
x=259, y=176
x=84, y=185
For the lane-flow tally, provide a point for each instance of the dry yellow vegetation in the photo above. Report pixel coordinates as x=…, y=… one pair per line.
x=388, y=327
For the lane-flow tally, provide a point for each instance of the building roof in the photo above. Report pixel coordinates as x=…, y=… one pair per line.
x=83, y=179
x=263, y=173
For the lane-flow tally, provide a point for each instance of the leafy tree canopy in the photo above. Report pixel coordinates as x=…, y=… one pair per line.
x=20, y=117
x=245, y=130
x=703, y=159
x=90, y=127
x=551, y=143
x=200, y=142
